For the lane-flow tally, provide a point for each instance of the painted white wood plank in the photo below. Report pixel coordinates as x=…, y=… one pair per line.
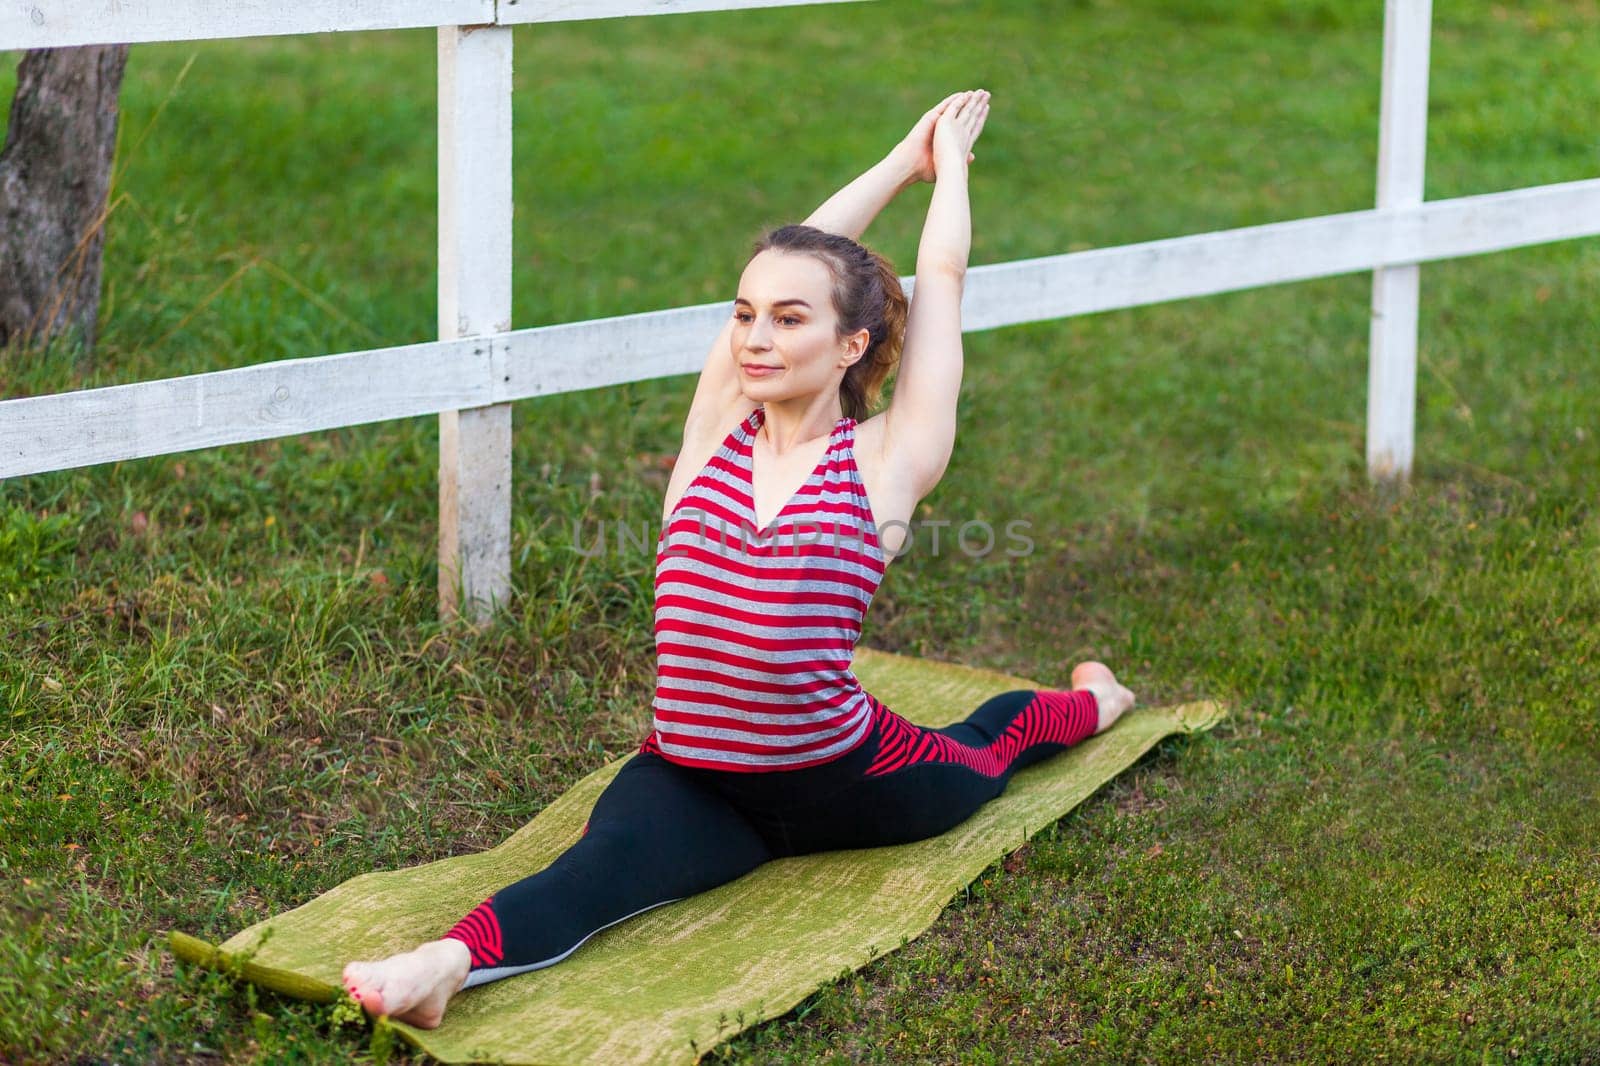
x=1035, y=290
x=1403, y=108
x=1492, y=222
x=1392, y=373
x=546, y=360
x=474, y=510
x=233, y=406
x=59, y=23
x=523, y=11
x=474, y=299
x=1402, y=150
x=279, y=399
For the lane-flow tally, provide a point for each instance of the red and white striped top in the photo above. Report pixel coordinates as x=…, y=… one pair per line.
x=756, y=629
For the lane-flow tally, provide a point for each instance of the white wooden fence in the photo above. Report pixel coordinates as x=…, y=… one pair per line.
x=479, y=365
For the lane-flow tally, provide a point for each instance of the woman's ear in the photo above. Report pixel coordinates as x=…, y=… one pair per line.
x=856, y=345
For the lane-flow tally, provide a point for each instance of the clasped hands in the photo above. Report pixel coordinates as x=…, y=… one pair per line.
x=942, y=139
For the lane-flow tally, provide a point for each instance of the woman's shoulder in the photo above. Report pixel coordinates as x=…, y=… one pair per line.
x=701, y=440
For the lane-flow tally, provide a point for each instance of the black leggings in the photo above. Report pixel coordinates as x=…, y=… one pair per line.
x=662, y=831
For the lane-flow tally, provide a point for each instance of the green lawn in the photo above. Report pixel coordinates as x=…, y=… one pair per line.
x=225, y=689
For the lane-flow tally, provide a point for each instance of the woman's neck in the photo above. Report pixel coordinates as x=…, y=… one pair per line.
x=787, y=425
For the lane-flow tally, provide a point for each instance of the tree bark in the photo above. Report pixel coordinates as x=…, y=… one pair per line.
x=55, y=174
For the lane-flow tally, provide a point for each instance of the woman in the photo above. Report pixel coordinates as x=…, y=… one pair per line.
x=764, y=743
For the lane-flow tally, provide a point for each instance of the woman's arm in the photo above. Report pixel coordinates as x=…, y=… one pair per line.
x=920, y=424
x=946, y=234
x=850, y=210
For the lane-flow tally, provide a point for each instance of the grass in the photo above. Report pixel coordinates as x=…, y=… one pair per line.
x=225, y=689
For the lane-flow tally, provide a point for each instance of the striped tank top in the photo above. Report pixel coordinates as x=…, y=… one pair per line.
x=756, y=629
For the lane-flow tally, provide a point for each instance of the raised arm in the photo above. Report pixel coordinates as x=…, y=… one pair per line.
x=920, y=424
x=848, y=211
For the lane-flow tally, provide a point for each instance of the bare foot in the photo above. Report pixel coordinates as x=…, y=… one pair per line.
x=1113, y=697
x=412, y=987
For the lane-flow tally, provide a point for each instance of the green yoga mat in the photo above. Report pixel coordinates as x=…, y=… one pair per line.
x=667, y=985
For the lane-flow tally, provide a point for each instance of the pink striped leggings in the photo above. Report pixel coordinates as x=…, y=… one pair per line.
x=662, y=831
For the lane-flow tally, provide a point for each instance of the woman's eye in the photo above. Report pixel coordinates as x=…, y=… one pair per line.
x=788, y=320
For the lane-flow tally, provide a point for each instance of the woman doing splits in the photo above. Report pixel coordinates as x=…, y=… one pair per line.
x=764, y=744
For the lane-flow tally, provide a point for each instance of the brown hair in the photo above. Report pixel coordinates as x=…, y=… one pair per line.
x=866, y=295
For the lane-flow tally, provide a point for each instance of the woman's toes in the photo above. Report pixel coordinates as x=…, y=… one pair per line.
x=362, y=982
x=412, y=987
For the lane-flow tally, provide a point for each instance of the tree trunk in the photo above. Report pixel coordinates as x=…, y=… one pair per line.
x=55, y=174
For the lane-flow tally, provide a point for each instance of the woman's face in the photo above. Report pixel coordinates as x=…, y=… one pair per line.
x=784, y=318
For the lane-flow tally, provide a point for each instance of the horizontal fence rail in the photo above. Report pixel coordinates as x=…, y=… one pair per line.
x=250, y=403
x=66, y=430
x=1131, y=275
x=61, y=23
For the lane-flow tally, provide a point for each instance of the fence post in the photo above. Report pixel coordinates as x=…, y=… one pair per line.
x=1402, y=148
x=474, y=300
